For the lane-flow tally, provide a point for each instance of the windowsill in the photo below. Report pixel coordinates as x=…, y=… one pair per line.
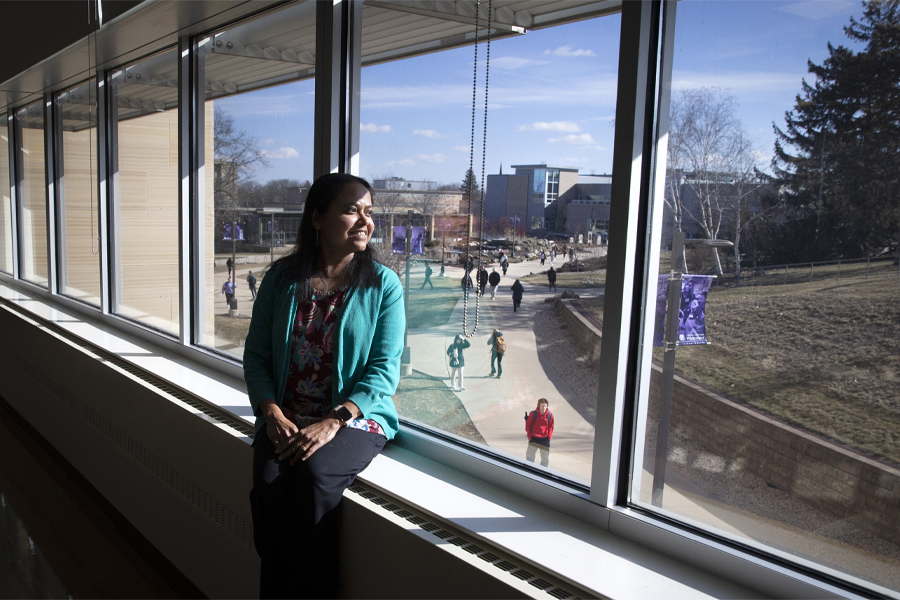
x=580, y=550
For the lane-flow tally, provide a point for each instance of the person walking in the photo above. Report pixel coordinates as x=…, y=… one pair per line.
x=467, y=283
x=428, y=273
x=251, y=282
x=498, y=349
x=504, y=263
x=571, y=253
x=457, y=362
x=230, y=264
x=517, y=291
x=228, y=290
x=470, y=264
x=539, y=429
x=552, y=256
x=551, y=277
x=494, y=280
x=543, y=258
x=482, y=280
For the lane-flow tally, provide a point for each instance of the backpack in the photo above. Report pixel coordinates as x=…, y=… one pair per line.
x=499, y=344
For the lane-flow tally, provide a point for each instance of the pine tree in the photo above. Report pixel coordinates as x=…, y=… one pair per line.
x=838, y=157
x=470, y=185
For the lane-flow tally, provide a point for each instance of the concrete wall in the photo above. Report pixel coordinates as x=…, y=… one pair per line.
x=842, y=482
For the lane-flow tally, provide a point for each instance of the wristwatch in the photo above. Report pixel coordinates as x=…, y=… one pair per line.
x=344, y=415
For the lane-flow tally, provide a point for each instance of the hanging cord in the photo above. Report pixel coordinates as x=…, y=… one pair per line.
x=466, y=333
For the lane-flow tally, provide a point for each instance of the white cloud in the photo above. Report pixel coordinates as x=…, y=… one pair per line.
x=817, y=9
x=462, y=148
x=286, y=152
x=568, y=51
x=738, y=83
x=406, y=162
x=561, y=126
x=514, y=62
x=373, y=128
x=585, y=139
x=429, y=133
x=432, y=158
x=269, y=141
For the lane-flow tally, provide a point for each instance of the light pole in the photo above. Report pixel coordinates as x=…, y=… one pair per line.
x=670, y=342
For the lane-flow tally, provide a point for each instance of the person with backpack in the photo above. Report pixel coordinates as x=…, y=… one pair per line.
x=494, y=281
x=543, y=258
x=251, y=281
x=498, y=349
x=551, y=277
x=457, y=361
x=428, y=272
x=539, y=429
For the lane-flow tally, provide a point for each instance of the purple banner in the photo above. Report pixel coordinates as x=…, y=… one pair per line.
x=417, y=245
x=226, y=231
x=691, y=310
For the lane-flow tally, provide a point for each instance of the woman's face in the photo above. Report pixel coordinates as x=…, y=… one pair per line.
x=347, y=226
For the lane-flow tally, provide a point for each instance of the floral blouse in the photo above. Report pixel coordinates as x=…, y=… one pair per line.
x=307, y=395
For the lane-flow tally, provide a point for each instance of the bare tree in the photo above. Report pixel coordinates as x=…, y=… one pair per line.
x=237, y=157
x=710, y=156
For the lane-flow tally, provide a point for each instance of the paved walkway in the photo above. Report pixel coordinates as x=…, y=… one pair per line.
x=498, y=406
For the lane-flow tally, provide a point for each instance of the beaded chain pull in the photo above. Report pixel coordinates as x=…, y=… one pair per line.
x=487, y=70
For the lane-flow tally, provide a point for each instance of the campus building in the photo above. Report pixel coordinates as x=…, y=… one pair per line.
x=117, y=351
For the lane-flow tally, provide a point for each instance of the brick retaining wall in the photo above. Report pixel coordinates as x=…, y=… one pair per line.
x=839, y=481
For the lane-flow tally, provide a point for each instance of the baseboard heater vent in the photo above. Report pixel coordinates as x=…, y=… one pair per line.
x=507, y=566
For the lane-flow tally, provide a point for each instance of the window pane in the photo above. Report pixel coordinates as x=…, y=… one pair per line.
x=773, y=412
x=33, y=194
x=416, y=117
x=79, y=266
x=6, y=238
x=146, y=103
x=258, y=148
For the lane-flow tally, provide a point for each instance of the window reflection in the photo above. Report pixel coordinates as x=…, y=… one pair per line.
x=258, y=141
x=79, y=266
x=772, y=414
x=416, y=130
x=32, y=193
x=145, y=174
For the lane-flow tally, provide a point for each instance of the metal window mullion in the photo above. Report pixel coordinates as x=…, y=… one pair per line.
x=354, y=85
x=632, y=153
x=49, y=191
x=186, y=177
x=654, y=243
x=198, y=200
x=13, y=188
x=60, y=201
x=18, y=174
x=329, y=86
x=103, y=116
x=113, y=257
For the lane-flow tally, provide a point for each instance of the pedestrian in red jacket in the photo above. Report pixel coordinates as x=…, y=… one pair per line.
x=539, y=428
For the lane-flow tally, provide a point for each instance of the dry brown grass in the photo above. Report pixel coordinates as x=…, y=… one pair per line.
x=824, y=356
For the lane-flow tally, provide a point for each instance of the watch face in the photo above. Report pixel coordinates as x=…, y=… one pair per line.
x=344, y=413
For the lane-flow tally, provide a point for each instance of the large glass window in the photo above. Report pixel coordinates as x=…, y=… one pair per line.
x=32, y=186
x=773, y=415
x=6, y=206
x=76, y=173
x=258, y=160
x=144, y=102
x=416, y=131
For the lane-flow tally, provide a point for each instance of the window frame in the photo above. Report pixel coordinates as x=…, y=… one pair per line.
x=643, y=93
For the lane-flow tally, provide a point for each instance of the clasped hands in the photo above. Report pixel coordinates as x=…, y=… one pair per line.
x=294, y=443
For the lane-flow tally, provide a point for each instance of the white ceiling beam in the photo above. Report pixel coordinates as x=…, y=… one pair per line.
x=464, y=13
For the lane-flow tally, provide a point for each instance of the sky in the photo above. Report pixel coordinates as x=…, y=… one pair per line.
x=552, y=92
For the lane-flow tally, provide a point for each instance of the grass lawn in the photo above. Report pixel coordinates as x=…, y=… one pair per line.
x=432, y=308
x=823, y=355
x=231, y=330
x=427, y=400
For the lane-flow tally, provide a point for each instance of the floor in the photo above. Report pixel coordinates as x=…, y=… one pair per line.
x=55, y=542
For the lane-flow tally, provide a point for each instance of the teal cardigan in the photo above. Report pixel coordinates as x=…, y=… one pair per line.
x=368, y=344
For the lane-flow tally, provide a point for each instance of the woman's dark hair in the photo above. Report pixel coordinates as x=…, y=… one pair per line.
x=301, y=263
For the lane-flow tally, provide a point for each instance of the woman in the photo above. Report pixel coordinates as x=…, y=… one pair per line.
x=457, y=361
x=498, y=349
x=320, y=380
x=539, y=429
x=517, y=290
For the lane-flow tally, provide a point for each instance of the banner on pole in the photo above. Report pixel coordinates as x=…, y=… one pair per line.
x=417, y=243
x=691, y=310
x=226, y=231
